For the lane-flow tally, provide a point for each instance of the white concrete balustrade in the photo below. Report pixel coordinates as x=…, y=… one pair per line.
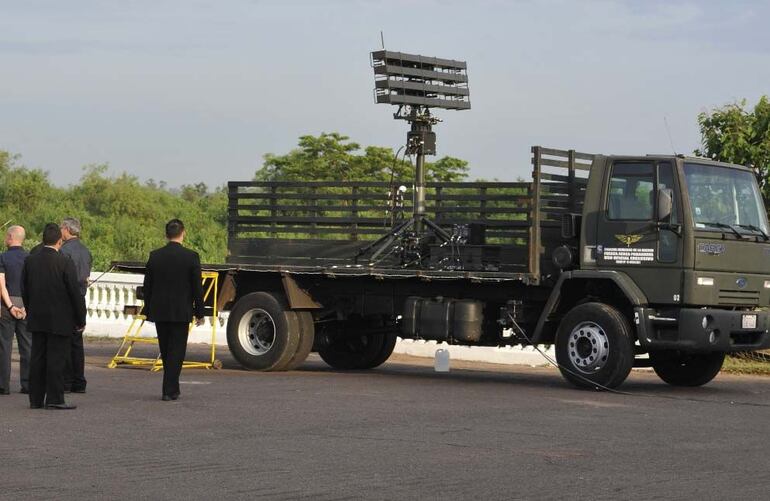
x=107, y=297
x=109, y=293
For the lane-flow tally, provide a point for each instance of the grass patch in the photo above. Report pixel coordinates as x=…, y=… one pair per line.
x=746, y=363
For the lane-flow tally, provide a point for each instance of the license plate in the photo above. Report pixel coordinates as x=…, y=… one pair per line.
x=749, y=322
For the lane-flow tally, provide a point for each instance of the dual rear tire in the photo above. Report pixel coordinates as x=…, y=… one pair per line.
x=263, y=334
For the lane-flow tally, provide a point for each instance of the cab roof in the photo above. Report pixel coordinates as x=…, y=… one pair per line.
x=700, y=160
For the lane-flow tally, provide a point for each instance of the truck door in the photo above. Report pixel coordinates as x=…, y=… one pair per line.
x=629, y=236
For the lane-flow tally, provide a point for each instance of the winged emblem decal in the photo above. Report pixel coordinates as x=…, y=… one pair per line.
x=628, y=239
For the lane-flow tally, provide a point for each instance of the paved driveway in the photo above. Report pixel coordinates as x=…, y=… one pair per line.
x=398, y=432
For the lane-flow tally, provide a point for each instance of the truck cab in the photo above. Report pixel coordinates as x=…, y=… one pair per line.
x=685, y=244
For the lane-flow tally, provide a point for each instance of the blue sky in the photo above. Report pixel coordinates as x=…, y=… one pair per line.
x=188, y=91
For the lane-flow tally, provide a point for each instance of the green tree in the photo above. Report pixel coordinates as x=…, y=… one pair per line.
x=333, y=157
x=447, y=170
x=122, y=219
x=193, y=192
x=26, y=196
x=734, y=134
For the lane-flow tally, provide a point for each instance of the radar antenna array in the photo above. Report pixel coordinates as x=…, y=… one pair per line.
x=416, y=84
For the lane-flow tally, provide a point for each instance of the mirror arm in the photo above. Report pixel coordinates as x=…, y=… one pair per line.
x=675, y=228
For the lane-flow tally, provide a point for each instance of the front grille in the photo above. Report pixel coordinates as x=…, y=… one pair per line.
x=738, y=297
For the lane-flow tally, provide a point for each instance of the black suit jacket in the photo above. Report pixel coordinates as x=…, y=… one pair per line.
x=172, y=285
x=51, y=293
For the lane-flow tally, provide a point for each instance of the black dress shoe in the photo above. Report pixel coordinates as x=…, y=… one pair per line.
x=165, y=398
x=35, y=406
x=78, y=390
x=174, y=396
x=64, y=407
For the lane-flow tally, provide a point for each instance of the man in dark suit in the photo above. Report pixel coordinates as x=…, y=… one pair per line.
x=172, y=294
x=55, y=309
x=72, y=247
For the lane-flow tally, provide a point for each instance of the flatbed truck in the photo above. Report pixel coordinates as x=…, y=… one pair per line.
x=618, y=261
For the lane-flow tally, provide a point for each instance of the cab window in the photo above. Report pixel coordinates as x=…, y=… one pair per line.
x=631, y=194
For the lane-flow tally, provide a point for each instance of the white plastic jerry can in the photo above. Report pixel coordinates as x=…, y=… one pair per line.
x=441, y=360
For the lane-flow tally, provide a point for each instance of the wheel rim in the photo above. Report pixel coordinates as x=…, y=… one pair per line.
x=256, y=332
x=588, y=347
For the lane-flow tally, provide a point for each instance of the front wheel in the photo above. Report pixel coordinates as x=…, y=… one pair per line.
x=686, y=369
x=594, y=346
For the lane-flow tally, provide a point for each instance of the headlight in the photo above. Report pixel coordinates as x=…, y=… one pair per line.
x=708, y=281
x=767, y=284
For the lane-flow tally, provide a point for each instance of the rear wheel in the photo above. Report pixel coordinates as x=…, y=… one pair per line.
x=361, y=343
x=686, y=369
x=262, y=333
x=353, y=351
x=594, y=346
x=306, y=338
x=388, y=344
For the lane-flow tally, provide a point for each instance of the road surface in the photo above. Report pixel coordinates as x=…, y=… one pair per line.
x=397, y=432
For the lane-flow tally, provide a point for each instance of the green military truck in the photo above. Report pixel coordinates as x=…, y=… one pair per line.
x=618, y=261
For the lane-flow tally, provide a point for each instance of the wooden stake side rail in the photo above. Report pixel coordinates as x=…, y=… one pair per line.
x=325, y=223
x=559, y=179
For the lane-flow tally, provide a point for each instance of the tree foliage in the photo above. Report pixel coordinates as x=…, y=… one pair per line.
x=333, y=157
x=734, y=134
x=122, y=219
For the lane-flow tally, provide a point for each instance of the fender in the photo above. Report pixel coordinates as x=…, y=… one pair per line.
x=298, y=297
x=632, y=292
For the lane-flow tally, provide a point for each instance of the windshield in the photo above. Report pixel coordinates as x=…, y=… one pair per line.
x=722, y=196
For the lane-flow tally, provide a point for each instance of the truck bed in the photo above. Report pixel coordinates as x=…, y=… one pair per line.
x=322, y=227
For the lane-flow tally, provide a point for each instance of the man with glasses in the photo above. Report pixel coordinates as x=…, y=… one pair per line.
x=74, y=375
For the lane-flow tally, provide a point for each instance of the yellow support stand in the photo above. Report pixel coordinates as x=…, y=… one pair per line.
x=210, y=280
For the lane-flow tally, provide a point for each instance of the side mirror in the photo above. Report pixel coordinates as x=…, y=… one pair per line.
x=665, y=203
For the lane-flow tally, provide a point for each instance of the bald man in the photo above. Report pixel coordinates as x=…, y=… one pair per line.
x=12, y=312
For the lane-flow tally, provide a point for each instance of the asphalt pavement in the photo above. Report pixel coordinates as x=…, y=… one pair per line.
x=400, y=431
